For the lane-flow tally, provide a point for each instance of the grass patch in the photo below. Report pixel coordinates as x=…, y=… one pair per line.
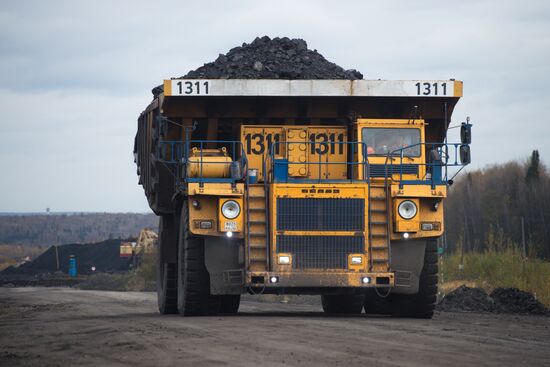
x=493, y=269
x=13, y=255
x=141, y=279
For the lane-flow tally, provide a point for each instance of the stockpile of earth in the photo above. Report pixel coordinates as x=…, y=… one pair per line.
x=104, y=256
x=266, y=58
x=501, y=300
x=467, y=299
x=512, y=300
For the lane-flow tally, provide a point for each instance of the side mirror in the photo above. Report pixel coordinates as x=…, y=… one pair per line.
x=465, y=156
x=466, y=133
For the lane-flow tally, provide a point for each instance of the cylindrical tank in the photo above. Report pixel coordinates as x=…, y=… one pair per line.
x=211, y=163
x=253, y=176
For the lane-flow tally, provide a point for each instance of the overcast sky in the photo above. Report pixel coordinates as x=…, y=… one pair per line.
x=74, y=76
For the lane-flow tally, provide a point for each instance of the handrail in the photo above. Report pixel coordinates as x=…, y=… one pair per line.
x=442, y=150
x=180, y=154
x=247, y=203
x=269, y=159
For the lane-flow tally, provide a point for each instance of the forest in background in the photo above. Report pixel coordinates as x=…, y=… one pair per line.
x=486, y=207
x=55, y=229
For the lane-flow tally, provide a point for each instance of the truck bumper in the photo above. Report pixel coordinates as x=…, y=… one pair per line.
x=320, y=279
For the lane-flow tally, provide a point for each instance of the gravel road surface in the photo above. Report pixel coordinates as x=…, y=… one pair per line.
x=62, y=326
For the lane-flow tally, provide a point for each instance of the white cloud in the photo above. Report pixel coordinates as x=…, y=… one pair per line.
x=69, y=151
x=75, y=76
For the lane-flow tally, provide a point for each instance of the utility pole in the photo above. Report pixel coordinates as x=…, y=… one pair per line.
x=461, y=265
x=523, y=238
x=57, y=257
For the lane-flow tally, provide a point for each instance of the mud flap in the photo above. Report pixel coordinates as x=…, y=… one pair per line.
x=407, y=260
x=224, y=266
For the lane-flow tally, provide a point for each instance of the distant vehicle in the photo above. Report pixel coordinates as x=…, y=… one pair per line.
x=146, y=243
x=329, y=187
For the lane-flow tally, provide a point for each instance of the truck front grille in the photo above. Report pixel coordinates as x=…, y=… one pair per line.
x=379, y=170
x=310, y=214
x=320, y=252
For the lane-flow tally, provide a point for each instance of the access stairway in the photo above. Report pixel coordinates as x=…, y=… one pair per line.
x=256, y=229
x=379, y=228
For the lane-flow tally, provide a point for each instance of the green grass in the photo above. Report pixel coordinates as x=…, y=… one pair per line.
x=143, y=278
x=493, y=269
x=13, y=255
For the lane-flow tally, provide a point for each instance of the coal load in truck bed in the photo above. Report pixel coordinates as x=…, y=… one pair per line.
x=266, y=58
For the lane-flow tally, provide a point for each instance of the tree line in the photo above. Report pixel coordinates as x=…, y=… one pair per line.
x=501, y=205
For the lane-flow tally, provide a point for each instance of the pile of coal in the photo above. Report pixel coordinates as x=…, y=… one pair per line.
x=513, y=300
x=266, y=58
x=277, y=58
x=103, y=256
x=501, y=300
x=467, y=299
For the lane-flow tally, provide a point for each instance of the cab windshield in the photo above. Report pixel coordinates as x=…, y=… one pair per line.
x=381, y=141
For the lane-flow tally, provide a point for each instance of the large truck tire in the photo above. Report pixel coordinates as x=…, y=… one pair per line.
x=167, y=273
x=342, y=304
x=230, y=303
x=420, y=305
x=193, y=281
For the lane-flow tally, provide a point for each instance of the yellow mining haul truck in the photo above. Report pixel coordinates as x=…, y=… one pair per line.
x=329, y=187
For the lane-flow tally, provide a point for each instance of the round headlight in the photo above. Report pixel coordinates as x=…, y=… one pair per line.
x=231, y=209
x=407, y=209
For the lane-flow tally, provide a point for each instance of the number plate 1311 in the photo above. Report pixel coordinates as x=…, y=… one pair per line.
x=190, y=87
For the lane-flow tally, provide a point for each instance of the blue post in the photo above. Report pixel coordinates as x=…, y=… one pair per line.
x=72, y=266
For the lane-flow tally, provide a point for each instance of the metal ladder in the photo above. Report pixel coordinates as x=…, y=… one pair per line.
x=256, y=228
x=379, y=227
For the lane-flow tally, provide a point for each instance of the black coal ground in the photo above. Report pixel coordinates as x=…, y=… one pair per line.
x=501, y=300
x=104, y=256
x=266, y=58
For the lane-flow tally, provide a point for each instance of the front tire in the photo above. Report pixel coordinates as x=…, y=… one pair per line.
x=194, y=298
x=167, y=274
x=420, y=305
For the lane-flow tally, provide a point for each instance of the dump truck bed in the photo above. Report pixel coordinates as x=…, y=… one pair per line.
x=312, y=88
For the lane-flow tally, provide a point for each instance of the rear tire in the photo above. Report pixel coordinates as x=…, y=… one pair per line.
x=230, y=303
x=193, y=298
x=420, y=305
x=342, y=304
x=167, y=274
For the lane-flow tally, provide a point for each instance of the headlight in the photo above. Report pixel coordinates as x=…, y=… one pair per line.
x=407, y=209
x=231, y=209
x=284, y=259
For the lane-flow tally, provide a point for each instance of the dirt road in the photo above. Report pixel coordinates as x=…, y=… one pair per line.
x=60, y=326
